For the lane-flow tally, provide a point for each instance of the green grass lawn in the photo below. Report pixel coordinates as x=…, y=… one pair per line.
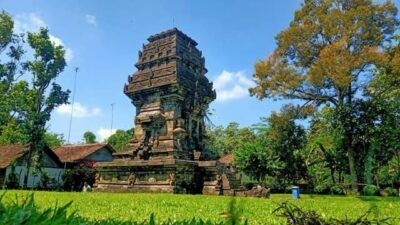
x=122, y=207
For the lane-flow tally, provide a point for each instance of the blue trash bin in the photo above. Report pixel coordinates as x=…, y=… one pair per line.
x=296, y=192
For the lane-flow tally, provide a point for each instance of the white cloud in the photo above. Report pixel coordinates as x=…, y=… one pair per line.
x=69, y=54
x=80, y=110
x=90, y=19
x=105, y=133
x=232, y=85
x=30, y=22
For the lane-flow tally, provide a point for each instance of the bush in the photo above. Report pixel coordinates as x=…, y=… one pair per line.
x=46, y=181
x=12, y=181
x=249, y=185
x=389, y=191
x=338, y=189
x=75, y=178
x=322, y=189
x=370, y=190
x=297, y=216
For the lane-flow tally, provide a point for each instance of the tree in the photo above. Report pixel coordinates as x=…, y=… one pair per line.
x=12, y=93
x=89, y=137
x=45, y=95
x=54, y=140
x=275, y=149
x=286, y=140
x=221, y=141
x=325, y=56
x=214, y=141
x=383, y=110
x=256, y=160
x=120, y=139
x=324, y=154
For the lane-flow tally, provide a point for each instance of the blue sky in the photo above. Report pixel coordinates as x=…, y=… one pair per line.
x=102, y=38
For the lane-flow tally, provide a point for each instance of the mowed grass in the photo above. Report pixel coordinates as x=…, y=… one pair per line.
x=138, y=206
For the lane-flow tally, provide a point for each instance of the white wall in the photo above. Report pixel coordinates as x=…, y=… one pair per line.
x=33, y=181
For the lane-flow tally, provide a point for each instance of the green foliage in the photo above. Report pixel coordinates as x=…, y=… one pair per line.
x=323, y=58
x=46, y=66
x=25, y=212
x=89, y=137
x=389, y=191
x=252, y=159
x=54, y=140
x=6, y=29
x=46, y=181
x=12, y=181
x=325, y=156
x=76, y=177
x=26, y=106
x=105, y=207
x=275, y=150
x=120, y=139
x=338, y=189
x=294, y=215
x=13, y=93
x=370, y=190
x=221, y=141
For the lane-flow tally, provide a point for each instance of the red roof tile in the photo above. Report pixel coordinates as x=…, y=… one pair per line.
x=9, y=153
x=72, y=153
x=226, y=159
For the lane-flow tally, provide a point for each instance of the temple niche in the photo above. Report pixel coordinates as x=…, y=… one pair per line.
x=167, y=153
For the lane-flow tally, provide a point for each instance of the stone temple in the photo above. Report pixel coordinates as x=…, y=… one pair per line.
x=167, y=153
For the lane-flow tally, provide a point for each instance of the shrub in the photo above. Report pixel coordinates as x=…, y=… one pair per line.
x=12, y=181
x=338, y=189
x=46, y=181
x=389, y=191
x=322, y=189
x=249, y=185
x=75, y=178
x=370, y=190
x=297, y=216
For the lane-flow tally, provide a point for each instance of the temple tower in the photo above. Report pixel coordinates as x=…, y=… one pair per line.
x=171, y=94
x=167, y=154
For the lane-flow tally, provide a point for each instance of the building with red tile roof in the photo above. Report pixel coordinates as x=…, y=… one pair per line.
x=74, y=154
x=16, y=156
x=226, y=159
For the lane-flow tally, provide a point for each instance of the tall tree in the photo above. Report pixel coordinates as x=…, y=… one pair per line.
x=45, y=95
x=325, y=56
x=89, y=137
x=383, y=108
x=12, y=93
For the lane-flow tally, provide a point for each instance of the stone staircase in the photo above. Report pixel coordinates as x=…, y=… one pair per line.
x=231, y=179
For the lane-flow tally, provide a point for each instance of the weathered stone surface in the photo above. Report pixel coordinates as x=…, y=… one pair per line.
x=171, y=94
x=258, y=191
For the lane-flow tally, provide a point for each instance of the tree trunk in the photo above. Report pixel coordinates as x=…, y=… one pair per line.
x=28, y=166
x=347, y=123
x=352, y=167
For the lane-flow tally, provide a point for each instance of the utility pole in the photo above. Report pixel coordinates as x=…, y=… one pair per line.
x=72, y=105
